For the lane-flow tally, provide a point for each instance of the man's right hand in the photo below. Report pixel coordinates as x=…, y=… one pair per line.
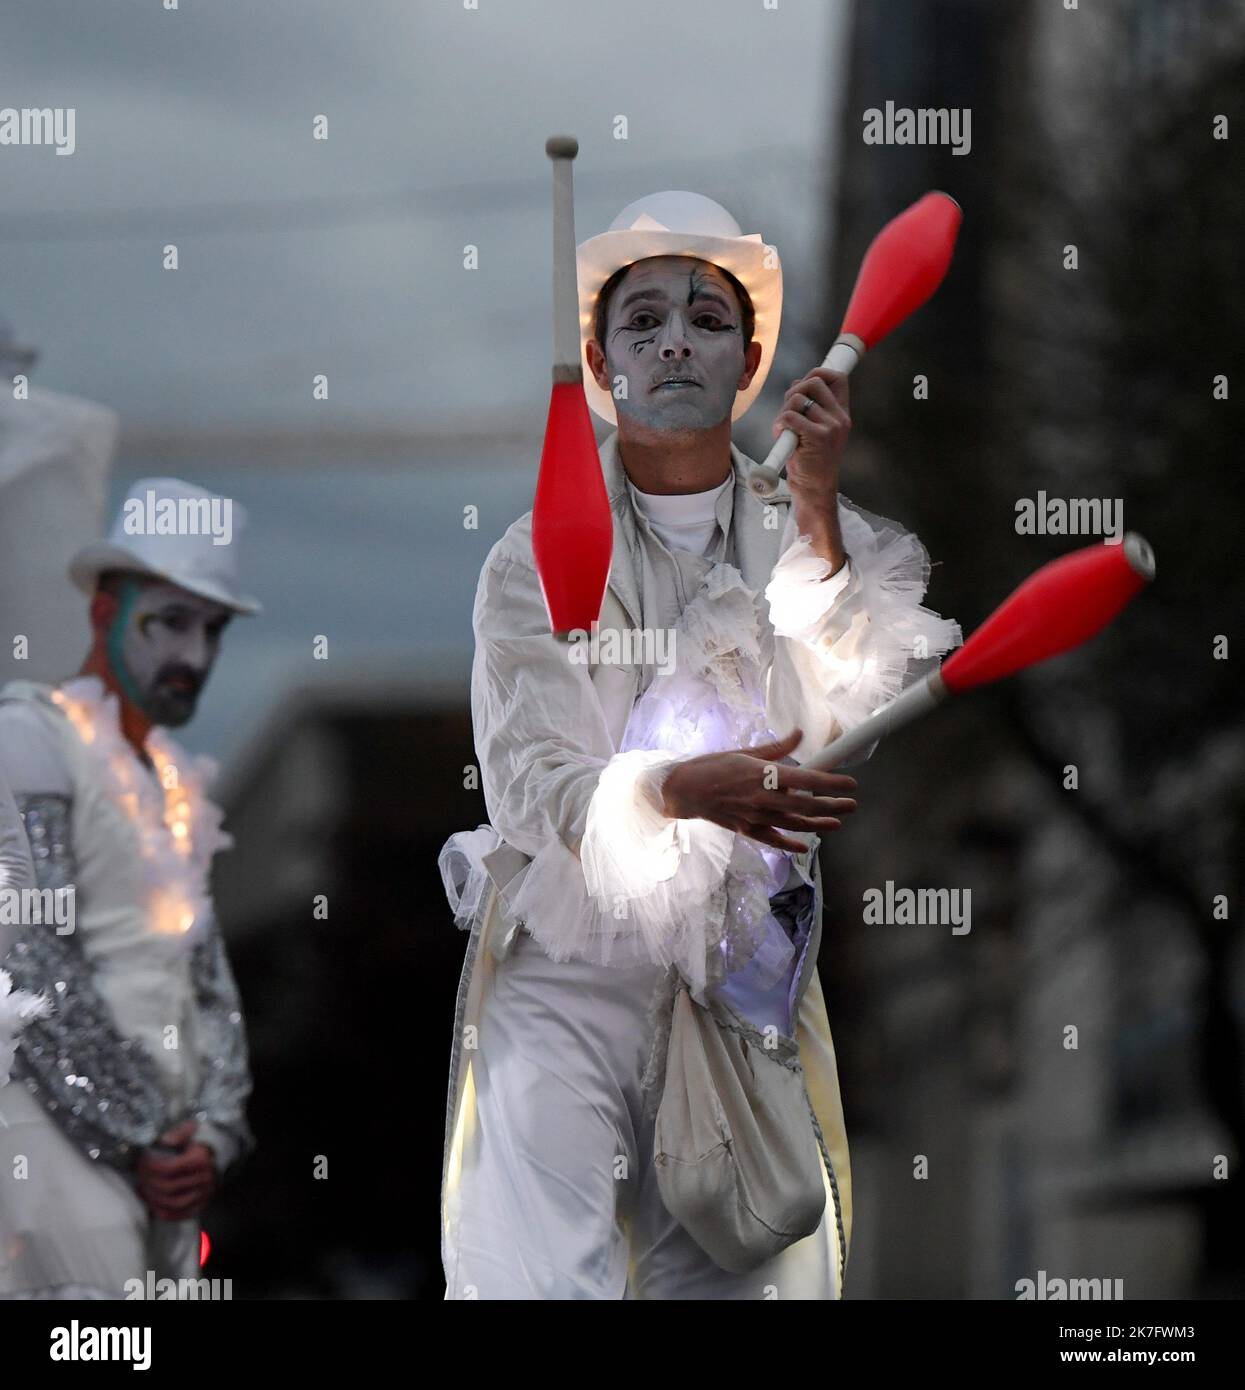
x=730, y=790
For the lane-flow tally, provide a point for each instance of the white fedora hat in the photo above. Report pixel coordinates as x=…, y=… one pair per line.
x=159, y=532
x=676, y=223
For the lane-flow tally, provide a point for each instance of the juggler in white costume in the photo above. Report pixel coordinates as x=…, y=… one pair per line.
x=549, y=1189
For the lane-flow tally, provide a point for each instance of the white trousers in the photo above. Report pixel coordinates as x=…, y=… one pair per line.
x=557, y=1197
x=69, y=1223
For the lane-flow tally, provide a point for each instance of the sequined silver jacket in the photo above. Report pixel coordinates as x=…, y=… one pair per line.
x=101, y=1087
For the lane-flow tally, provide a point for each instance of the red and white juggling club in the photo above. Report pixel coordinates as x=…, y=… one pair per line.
x=572, y=527
x=904, y=265
x=1058, y=607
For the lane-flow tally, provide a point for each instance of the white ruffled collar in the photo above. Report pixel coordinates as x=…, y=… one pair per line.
x=713, y=699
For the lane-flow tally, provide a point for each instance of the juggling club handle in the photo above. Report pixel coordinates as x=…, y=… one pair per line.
x=765, y=477
x=923, y=695
x=567, y=365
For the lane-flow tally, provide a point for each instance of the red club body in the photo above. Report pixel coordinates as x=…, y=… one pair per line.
x=904, y=265
x=572, y=525
x=1057, y=608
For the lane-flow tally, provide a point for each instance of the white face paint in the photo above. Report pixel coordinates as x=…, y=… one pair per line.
x=673, y=316
x=164, y=651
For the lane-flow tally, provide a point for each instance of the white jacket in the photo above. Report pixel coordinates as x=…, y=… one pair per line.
x=146, y=1026
x=570, y=753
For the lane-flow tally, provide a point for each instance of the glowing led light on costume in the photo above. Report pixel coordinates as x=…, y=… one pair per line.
x=177, y=809
x=77, y=715
x=170, y=914
x=167, y=840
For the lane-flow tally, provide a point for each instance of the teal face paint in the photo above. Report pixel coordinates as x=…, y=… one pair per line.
x=115, y=645
x=162, y=645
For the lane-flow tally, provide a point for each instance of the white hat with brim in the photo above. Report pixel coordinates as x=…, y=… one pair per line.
x=677, y=223
x=192, y=561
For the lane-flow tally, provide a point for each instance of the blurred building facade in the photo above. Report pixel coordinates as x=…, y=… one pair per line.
x=1104, y=1152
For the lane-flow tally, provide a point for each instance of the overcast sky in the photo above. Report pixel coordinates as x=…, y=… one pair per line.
x=194, y=126
x=344, y=256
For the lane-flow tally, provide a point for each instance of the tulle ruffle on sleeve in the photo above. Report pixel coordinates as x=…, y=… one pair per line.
x=799, y=593
x=858, y=643
x=708, y=918
x=464, y=874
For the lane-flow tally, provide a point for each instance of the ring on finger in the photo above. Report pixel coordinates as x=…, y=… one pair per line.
x=809, y=403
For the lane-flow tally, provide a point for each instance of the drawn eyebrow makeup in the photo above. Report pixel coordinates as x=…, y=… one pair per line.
x=659, y=297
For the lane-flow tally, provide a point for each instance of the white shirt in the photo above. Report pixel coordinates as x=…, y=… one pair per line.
x=683, y=520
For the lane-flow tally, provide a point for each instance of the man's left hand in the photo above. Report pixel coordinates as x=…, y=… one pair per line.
x=821, y=432
x=813, y=468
